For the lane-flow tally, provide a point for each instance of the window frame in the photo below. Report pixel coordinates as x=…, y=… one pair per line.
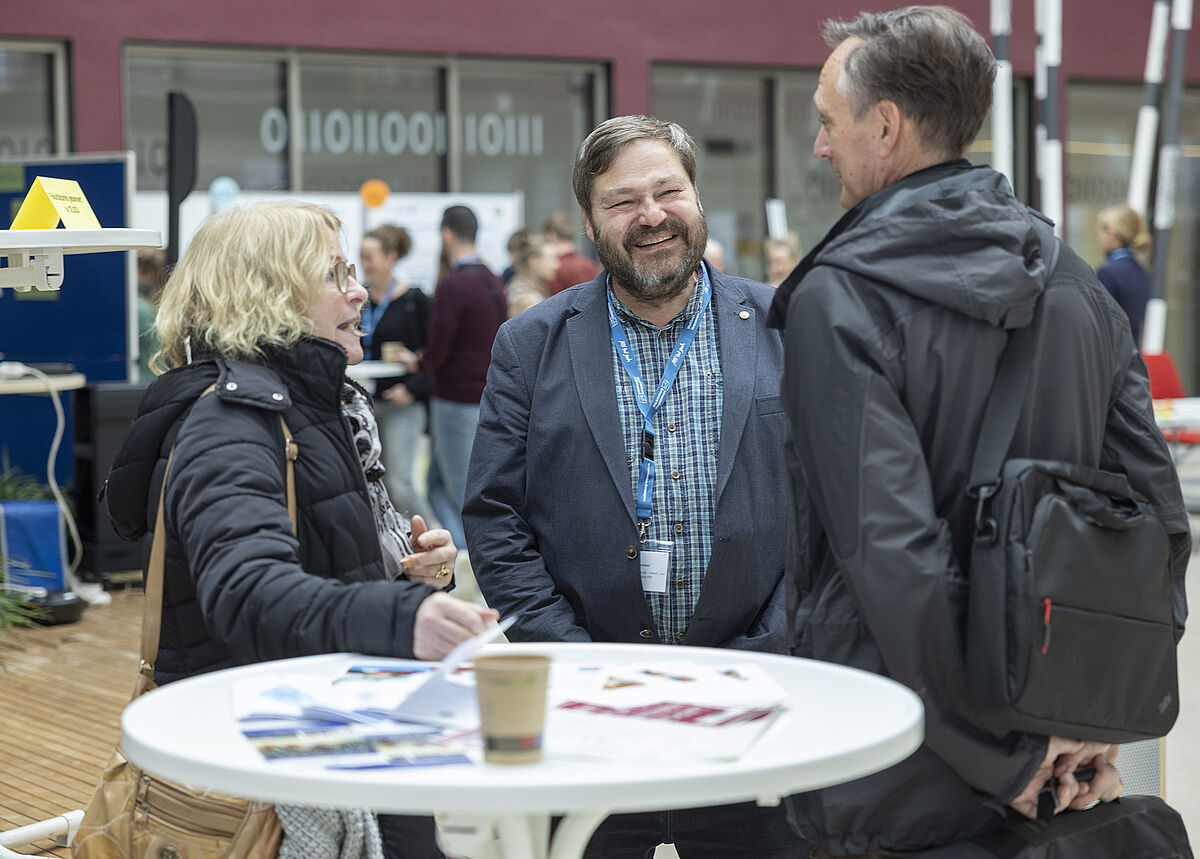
x=450, y=68
x=59, y=85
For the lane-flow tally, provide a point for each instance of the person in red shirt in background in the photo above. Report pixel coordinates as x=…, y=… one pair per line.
x=573, y=268
x=468, y=308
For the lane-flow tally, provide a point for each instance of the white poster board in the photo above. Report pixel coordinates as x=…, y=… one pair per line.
x=499, y=214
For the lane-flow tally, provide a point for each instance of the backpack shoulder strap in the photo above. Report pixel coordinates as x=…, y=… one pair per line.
x=1009, y=387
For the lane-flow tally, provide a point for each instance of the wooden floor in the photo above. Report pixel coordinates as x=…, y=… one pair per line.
x=60, y=708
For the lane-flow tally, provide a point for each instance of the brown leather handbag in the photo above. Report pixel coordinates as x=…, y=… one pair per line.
x=135, y=815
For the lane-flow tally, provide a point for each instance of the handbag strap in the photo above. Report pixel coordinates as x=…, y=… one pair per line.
x=1005, y=400
x=155, y=570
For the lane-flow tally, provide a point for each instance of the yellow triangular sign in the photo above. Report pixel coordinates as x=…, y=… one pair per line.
x=50, y=200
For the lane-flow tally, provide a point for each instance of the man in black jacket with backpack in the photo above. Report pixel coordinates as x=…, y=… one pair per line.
x=894, y=327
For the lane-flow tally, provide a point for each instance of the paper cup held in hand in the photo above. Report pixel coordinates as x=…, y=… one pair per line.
x=511, y=688
x=391, y=351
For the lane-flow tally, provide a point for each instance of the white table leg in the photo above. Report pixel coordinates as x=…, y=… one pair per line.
x=62, y=828
x=539, y=829
x=516, y=836
x=493, y=836
x=468, y=836
x=574, y=832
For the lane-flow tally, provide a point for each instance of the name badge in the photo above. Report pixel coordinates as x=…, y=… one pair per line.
x=655, y=560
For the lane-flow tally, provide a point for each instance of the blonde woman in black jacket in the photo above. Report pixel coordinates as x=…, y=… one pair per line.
x=263, y=306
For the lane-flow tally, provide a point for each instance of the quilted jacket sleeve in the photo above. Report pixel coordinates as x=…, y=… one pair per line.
x=226, y=509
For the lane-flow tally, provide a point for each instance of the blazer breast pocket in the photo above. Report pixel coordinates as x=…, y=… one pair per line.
x=768, y=406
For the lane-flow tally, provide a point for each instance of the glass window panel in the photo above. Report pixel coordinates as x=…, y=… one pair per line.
x=240, y=103
x=1098, y=150
x=807, y=185
x=371, y=118
x=1183, y=265
x=982, y=150
x=726, y=111
x=26, y=102
x=520, y=126
x=1101, y=119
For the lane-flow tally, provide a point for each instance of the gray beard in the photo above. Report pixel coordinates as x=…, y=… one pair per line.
x=653, y=286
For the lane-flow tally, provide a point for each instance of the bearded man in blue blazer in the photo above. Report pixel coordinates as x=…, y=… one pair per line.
x=626, y=482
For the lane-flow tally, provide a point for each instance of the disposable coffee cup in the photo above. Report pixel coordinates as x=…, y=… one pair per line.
x=511, y=688
x=390, y=352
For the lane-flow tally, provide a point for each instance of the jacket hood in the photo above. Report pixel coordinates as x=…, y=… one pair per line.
x=127, y=491
x=313, y=367
x=953, y=235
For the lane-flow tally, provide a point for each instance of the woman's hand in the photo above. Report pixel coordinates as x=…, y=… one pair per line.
x=399, y=394
x=433, y=561
x=1063, y=757
x=443, y=622
x=408, y=359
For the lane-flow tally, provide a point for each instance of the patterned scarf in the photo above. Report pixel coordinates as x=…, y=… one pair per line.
x=393, y=529
x=351, y=834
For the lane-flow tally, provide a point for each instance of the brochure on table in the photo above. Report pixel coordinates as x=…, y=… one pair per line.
x=424, y=714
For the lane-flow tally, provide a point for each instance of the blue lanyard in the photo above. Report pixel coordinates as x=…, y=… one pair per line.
x=372, y=315
x=649, y=408
x=1120, y=253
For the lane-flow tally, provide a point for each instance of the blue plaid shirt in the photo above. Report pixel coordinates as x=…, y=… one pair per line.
x=687, y=435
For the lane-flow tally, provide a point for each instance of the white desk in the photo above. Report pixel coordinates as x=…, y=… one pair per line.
x=1177, y=413
x=80, y=241
x=1179, y=420
x=840, y=724
x=35, y=256
x=37, y=385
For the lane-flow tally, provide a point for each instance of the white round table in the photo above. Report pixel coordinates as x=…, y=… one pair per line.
x=375, y=370
x=840, y=724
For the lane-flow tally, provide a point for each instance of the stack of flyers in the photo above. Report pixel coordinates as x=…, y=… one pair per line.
x=670, y=712
x=379, y=715
x=306, y=721
x=373, y=715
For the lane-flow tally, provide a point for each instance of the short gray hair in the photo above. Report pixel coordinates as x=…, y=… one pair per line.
x=929, y=60
x=598, y=151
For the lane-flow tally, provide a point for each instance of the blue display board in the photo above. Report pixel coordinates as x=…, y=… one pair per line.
x=85, y=323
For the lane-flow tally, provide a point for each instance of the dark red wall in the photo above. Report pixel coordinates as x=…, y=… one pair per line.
x=1105, y=39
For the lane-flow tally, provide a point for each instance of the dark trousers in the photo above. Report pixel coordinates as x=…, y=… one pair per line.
x=742, y=831
x=408, y=837
x=821, y=853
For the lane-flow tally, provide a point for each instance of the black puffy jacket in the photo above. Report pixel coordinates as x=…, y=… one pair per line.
x=239, y=587
x=895, y=325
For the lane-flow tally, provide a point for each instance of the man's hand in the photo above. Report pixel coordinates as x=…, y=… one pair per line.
x=1063, y=757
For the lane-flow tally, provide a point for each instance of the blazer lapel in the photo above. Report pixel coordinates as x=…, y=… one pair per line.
x=736, y=337
x=591, y=365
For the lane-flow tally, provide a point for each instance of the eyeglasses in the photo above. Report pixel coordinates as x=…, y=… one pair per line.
x=342, y=274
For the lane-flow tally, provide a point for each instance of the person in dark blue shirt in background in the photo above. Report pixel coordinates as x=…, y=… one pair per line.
x=1123, y=238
